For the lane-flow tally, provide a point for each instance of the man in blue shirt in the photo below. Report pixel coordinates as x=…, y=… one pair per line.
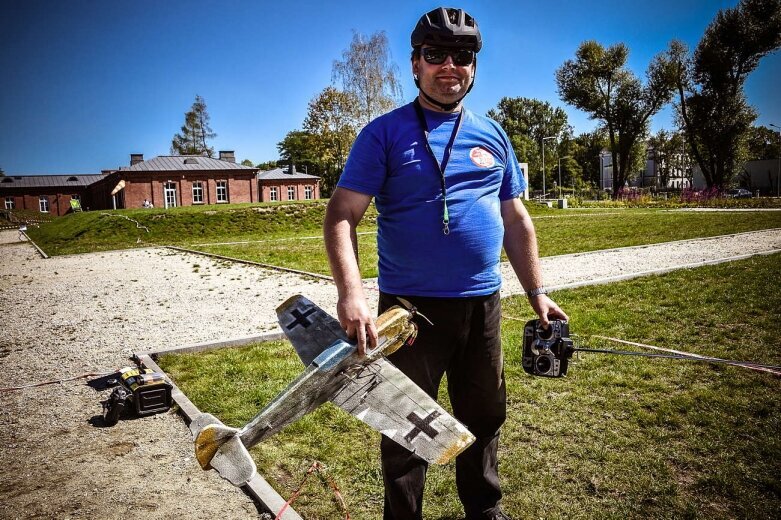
x=446, y=184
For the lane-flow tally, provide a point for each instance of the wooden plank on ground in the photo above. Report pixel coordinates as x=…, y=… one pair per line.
x=266, y=498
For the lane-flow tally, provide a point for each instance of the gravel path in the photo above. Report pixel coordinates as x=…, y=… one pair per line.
x=70, y=315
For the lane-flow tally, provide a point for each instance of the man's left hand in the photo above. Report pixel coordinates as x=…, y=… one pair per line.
x=546, y=309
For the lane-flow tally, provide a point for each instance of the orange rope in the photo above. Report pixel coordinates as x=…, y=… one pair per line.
x=316, y=466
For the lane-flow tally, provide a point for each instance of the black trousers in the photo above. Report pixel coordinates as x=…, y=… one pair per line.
x=465, y=343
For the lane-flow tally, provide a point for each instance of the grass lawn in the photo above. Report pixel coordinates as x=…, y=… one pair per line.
x=618, y=438
x=558, y=232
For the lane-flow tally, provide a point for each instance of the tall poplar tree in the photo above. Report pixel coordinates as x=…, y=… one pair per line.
x=598, y=82
x=367, y=72
x=712, y=105
x=193, y=137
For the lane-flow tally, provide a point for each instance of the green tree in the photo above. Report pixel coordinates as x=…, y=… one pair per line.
x=712, y=105
x=526, y=121
x=331, y=123
x=586, y=150
x=367, y=72
x=247, y=162
x=193, y=137
x=598, y=82
x=268, y=165
x=763, y=143
x=298, y=147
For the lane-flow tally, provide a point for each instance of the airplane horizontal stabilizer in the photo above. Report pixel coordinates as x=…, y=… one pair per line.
x=219, y=447
x=308, y=327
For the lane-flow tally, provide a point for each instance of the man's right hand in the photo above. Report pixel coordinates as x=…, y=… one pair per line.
x=356, y=319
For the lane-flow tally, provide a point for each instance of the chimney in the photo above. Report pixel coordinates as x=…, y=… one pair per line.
x=291, y=169
x=136, y=158
x=228, y=156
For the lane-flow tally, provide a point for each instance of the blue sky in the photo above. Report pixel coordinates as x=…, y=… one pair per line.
x=86, y=83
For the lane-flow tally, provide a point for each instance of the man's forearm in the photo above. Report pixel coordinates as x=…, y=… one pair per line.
x=341, y=243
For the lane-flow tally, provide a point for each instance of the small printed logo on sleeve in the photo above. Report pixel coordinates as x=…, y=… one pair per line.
x=481, y=157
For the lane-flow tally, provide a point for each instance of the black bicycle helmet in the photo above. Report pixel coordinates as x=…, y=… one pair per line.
x=447, y=27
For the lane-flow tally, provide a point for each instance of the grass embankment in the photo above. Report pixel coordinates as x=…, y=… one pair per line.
x=618, y=438
x=290, y=234
x=109, y=230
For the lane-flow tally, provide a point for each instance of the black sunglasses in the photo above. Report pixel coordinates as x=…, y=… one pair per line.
x=437, y=56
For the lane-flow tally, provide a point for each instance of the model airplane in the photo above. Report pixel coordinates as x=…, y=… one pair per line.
x=368, y=387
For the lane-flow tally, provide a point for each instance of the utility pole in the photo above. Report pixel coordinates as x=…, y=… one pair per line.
x=778, y=174
x=543, y=162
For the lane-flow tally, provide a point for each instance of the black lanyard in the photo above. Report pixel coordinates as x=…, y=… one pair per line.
x=445, y=158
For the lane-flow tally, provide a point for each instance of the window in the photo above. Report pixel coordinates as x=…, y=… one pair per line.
x=273, y=193
x=169, y=194
x=9, y=203
x=222, y=191
x=43, y=204
x=291, y=193
x=308, y=192
x=197, y=192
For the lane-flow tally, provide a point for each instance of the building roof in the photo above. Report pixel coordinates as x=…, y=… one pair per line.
x=48, y=181
x=184, y=162
x=278, y=174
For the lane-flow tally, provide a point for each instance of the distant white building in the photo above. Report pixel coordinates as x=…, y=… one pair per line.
x=677, y=178
x=605, y=170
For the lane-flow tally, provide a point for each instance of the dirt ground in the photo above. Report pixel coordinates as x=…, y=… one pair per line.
x=70, y=315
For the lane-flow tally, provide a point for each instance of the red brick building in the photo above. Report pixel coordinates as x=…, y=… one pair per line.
x=50, y=193
x=165, y=181
x=184, y=180
x=287, y=184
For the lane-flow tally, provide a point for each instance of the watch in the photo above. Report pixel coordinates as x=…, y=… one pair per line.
x=536, y=292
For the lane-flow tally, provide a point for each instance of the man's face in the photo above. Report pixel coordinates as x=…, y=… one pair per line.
x=445, y=82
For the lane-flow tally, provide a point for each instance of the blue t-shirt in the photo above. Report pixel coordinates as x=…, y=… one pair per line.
x=389, y=161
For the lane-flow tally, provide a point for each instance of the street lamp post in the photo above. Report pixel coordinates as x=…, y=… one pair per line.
x=560, y=158
x=778, y=175
x=543, y=162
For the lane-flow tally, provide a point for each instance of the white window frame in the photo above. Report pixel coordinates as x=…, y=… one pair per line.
x=10, y=203
x=308, y=192
x=169, y=194
x=273, y=194
x=197, y=192
x=222, y=191
x=291, y=193
x=43, y=204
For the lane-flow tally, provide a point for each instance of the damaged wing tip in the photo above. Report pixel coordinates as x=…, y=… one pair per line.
x=208, y=441
x=459, y=445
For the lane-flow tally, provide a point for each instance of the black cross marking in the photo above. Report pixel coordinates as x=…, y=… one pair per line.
x=301, y=318
x=422, y=424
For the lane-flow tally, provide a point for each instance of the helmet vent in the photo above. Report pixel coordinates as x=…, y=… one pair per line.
x=452, y=14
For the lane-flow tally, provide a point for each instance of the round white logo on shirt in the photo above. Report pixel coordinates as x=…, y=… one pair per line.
x=481, y=157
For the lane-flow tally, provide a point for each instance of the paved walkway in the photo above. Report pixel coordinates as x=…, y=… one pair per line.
x=611, y=265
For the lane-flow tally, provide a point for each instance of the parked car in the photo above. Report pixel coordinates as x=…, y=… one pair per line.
x=739, y=193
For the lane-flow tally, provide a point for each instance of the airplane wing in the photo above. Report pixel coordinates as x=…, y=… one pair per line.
x=380, y=395
x=309, y=328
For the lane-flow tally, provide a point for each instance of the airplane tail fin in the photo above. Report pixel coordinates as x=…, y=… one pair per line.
x=219, y=447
